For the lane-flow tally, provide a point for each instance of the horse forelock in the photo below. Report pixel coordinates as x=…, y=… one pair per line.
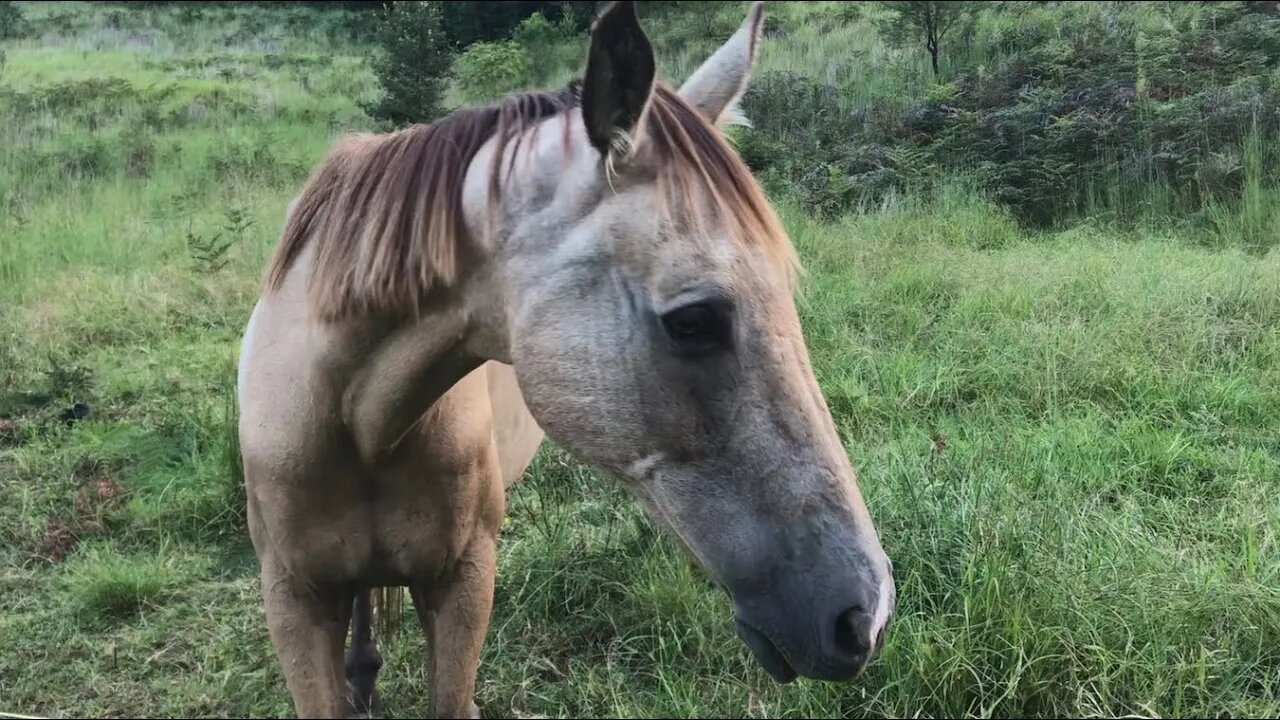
x=698, y=169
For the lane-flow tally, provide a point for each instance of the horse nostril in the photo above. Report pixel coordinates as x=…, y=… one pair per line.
x=853, y=632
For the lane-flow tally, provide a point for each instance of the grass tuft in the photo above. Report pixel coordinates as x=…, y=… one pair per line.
x=105, y=587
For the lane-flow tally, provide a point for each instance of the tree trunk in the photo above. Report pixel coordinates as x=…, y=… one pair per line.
x=932, y=20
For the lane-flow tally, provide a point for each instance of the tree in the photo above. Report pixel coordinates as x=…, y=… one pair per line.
x=469, y=22
x=12, y=24
x=412, y=64
x=909, y=22
x=1262, y=7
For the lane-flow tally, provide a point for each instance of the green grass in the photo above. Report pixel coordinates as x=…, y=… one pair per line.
x=1068, y=441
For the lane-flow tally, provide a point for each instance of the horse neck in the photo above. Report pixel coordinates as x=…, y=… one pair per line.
x=399, y=369
x=413, y=363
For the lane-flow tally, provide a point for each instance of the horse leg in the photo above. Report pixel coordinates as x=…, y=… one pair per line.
x=454, y=620
x=363, y=660
x=308, y=624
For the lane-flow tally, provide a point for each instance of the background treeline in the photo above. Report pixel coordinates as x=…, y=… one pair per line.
x=1054, y=111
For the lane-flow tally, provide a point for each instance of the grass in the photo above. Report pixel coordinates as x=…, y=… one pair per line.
x=1068, y=440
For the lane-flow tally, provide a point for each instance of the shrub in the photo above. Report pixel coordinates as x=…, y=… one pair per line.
x=488, y=70
x=807, y=140
x=412, y=64
x=552, y=47
x=1099, y=111
x=928, y=24
x=1081, y=116
x=470, y=22
x=12, y=24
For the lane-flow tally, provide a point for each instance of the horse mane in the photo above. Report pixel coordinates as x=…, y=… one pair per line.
x=695, y=160
x=385, y=210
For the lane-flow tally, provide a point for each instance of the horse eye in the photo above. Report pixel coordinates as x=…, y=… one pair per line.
x=697, y=328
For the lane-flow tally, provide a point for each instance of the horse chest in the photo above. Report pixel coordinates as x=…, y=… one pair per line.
x=416, y=535
x=375, y=528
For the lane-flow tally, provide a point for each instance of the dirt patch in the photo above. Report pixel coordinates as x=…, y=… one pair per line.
x=59, y=541
x=93, y=501
x=89, y=468
x=98, y=494
x=9, y=433
x=140, y=158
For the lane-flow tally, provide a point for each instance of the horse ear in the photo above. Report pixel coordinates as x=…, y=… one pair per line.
x=619, y=77
x=716, y=87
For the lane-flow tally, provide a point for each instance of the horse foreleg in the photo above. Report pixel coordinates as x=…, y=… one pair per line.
x=307, y=626
x=363, y=660
x=454, y=619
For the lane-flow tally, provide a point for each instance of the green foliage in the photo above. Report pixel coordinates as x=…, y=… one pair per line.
x=105, y=587
x=469, y=22
x=412, y=64
x=808, y=142
x=210, y=253
x=1069, y=114
x=928, y=23
x=12, y=24
x=487, y=70
x=1094, y=108
x=553, y=48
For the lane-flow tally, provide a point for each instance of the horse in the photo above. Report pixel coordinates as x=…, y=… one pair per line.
x=593, y=264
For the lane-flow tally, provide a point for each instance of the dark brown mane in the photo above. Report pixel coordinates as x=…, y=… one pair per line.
x=385, y=210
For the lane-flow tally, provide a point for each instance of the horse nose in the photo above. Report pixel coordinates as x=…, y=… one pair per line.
x=857, y=632
x=855, y=638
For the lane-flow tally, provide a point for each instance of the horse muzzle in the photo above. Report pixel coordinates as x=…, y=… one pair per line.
x=825, y=636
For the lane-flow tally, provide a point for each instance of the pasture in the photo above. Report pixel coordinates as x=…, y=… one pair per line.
x=1069, y=438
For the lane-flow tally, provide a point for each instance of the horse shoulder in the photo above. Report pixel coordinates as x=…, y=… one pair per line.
x=516, y=433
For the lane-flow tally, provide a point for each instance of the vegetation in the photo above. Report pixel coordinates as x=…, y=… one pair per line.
x=912, y=22
x=470, y=22
x=12, y=24
x=1129, y=112
x=1041, y=301
x=486, y=71
x=413, y=63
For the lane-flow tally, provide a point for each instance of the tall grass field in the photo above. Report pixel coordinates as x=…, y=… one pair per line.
x=1068, y=437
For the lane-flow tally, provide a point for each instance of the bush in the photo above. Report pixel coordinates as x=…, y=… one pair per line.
x=808, y=141
x=470, y=22
x=552, y=47
x=488, y=70
x=1078, y=116
x=413, y=63
x=12, y=24
x=1098, y=111
x=928, y=25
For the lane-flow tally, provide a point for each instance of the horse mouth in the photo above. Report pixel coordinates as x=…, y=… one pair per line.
x=767, y=654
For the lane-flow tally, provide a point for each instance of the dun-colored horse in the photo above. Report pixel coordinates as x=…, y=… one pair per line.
x=596, y=263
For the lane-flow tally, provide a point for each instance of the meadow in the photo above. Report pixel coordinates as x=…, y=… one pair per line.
x=1069, y=438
